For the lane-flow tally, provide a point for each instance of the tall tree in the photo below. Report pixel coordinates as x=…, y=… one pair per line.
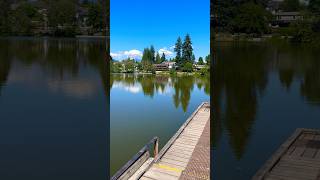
x=61, y=16
x=314, y=6
x=95, y=17
x=158, y=59
x=163, y=57
x=208, y=60
x=291, y=5
x=4, y=17
x=177, y=49
x=200, y=61
x=152, y=51
x=251, y=18
x=187, y=50
x=193, y=58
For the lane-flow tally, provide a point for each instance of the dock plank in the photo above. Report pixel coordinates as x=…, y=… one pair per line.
x=178, y=157
x=297, y=158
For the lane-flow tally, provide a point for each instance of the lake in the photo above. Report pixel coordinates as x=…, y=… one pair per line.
x=53, y=106
x=262, y=92
x=144, y=106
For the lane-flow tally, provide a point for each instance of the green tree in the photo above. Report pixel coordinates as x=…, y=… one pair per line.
x=187, y=67
x=252, y=19
x=129, y=65
x=147, y=59
x=95, y=17
x=208, y=60
x=178, y=49
x=314, y=6
x=302, y=31
x=187, y=50
x=116, y=67
x=193, y=58
x=152, y=51
x=4, y=17
x=61, y=17
x=23, y=18
x=200, y=61
x=163, y=57
x=291, y=5
x=158, y=59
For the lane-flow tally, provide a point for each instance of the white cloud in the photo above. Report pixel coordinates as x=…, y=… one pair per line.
x=166, y=52
x=120, y=55
x=134, y=89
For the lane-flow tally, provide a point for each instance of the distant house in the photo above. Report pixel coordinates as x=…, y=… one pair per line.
x=285, y=18
x=164, y=66
x=199, y=67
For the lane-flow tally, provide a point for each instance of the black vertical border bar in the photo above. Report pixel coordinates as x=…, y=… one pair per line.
x=106, y=16
x=212, y=110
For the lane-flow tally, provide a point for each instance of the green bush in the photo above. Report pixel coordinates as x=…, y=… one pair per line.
x=187, y=67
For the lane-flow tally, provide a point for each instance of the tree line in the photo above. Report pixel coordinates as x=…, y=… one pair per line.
x=252, y=17
x=185, y=59
x=51, y=17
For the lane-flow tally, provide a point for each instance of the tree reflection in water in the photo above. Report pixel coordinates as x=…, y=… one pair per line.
x=240, y=79
x=152, y=84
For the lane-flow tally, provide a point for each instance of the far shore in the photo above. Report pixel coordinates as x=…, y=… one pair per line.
x=62, y=37
x=165, y=73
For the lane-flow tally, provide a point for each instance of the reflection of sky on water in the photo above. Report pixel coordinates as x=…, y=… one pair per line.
x=53, y=109
x=137, y=88
x=34, y=76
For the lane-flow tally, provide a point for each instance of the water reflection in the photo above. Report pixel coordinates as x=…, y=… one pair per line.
x=60, y=59
x=180, y=88
x=53, y=95
x=242, y=75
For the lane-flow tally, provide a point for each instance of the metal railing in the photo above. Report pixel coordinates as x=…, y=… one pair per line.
x=146, y=148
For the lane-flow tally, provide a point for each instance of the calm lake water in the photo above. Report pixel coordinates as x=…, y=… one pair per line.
x=144, y=106
x=53, y=109
x=262, y=93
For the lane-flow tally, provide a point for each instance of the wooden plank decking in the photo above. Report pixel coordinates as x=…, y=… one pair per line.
x=187, y=154
x=297, y=158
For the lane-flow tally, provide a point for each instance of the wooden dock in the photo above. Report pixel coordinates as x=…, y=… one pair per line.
x=185, y=156
x=297, y=158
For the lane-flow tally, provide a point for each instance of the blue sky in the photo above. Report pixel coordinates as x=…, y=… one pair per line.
x=136, y=24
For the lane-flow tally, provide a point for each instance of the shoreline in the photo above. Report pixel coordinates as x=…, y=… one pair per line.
x=55, y=37
x=166, y=74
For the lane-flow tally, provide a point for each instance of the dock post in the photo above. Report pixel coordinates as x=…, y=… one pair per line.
x=156, y=147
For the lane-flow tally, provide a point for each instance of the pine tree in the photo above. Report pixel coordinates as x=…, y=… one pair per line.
x=145, y=56
x=193, y=58
x=187, y=50
x=177, y=49
x=208, y=59
x=158, y=59
x=163, y=57
x=152, y=54
x=200, y=61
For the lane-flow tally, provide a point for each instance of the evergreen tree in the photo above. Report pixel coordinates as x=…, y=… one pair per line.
x=158, y=59
x=193, y=58
x=177, y=49
x=145, y=56
x=95, y=17
x=200, y=61
x=152, y=54
x=208, y=59
x=163, y=57
x=4, y=16
x=187, y=50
